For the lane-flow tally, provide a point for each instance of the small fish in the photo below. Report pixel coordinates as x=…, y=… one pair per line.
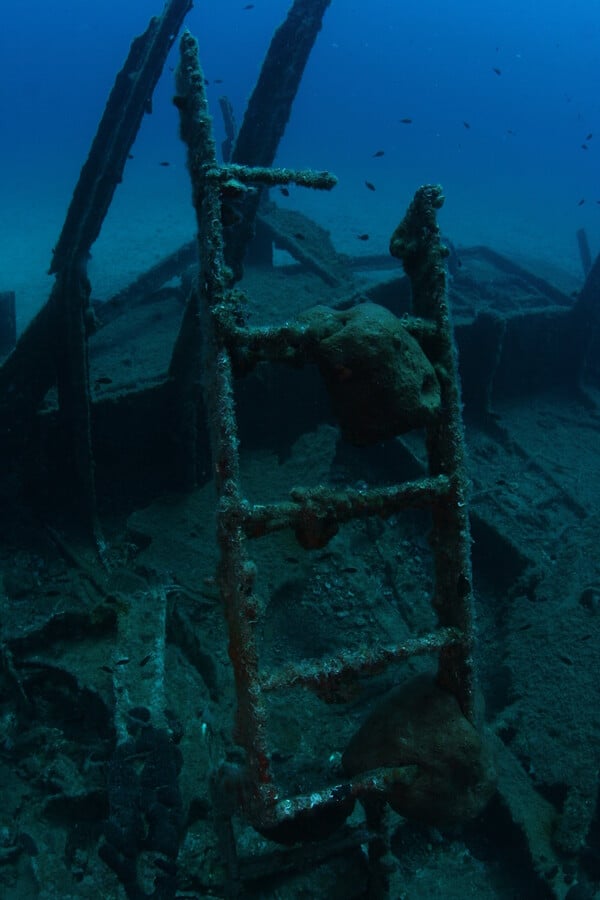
x=370, y=185
x=130, y=156
x=123, y=661
x=363, y=237
x=589, y=136
x=284, y=191
x=510, y=131
x=406, y=121
x=179, y=101
x=466, y=124
x=581, y=202
x=145, y=660
x=299, y=236
x=584, y=146
x=206, y=82
x=497, y=71
x=164, y=163
x=378, y=153
x=218, y=81
x=248, y=6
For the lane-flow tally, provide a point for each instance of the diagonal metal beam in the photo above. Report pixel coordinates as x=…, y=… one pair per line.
x=269, y=109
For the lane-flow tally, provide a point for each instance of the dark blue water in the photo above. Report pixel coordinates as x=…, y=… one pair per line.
x=502, y=97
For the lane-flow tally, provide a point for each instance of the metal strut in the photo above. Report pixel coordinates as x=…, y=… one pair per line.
x=315, y=514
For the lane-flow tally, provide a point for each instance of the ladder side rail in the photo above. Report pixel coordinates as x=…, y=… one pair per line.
x=236, y=571
x=417, y=243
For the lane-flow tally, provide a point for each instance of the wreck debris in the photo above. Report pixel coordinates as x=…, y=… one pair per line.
x=533, y=815
x=118, y=128
x=284, y=238
x=53, y=349
x=153, y=279
x=145, y=822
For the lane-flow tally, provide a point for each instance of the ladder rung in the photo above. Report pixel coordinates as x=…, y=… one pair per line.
x=288, y=343
x=324, y=181
x=376, y=781
x=342, y=506
x=323, y=672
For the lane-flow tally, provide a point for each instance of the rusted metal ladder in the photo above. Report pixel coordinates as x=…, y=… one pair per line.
x=226, y=341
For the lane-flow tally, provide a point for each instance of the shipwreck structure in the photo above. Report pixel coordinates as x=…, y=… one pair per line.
x=153, y=761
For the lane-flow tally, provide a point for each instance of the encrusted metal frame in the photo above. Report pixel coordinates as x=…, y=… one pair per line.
x=227, y=343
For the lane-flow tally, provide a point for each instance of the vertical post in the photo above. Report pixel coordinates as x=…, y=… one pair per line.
x=70, y=298
x=584, y=322
x=230, y=128
x=8, y=322
x=236, y=571
x=184, y=376
x=585, y=253
x=417, y=243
